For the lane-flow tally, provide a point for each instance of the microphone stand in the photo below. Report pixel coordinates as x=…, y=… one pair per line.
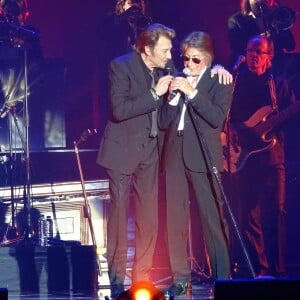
x=9, y=110
x=27, y=200
x=213, y=170
x=86, y=207
x=27, y=233
x=235, y=72
x=12, y=118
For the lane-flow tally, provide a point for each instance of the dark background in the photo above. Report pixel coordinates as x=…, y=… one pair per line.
x=70, y=32
x=72, y=44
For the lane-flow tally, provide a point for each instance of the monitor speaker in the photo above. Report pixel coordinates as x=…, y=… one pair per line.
x=3, y=294
x=258, y=289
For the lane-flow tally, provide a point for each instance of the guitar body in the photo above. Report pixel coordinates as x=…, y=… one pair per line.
x=247, y=138
x=240, y=141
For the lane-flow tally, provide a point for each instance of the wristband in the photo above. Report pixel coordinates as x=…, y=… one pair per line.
x=154, y=94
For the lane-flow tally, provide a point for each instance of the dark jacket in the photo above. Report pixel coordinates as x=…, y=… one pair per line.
x=211, y=105
x=132, y=103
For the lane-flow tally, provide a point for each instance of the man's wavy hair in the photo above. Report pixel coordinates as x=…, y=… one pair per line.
x=150, y=36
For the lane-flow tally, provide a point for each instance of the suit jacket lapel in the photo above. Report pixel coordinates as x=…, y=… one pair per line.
x=140, y=72
x=205, y=80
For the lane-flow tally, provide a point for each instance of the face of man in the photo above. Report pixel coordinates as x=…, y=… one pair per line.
x=258, y=57
x=159, y=55
x=194, y=60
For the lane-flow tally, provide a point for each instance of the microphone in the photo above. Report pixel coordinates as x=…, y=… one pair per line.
x=185, y=72
x=173, y=94
x=168, y=70
x=240, y=60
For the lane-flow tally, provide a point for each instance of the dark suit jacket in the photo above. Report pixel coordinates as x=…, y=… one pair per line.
x=211, y=105
x=131, y=101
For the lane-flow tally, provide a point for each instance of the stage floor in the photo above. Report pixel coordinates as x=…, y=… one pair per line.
x=199, y=292
x=235, y=289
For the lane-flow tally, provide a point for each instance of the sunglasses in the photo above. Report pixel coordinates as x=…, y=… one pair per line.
x=195, y=60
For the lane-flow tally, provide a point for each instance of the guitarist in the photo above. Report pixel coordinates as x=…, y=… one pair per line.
x=261, y=181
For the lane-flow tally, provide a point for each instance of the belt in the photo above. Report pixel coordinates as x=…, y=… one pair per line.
x=179, y=132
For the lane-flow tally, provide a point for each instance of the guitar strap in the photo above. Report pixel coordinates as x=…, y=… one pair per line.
x=272, y=90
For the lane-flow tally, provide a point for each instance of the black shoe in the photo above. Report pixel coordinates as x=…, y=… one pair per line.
x=177, y=288
x=116, y=290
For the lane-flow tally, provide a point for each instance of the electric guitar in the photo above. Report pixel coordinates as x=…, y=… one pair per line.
x=252, y=136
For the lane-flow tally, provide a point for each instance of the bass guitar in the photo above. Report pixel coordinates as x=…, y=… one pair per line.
x=252, y=136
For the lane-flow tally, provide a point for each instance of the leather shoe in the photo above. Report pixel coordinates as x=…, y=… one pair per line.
x=116, y=290
x=177, y=288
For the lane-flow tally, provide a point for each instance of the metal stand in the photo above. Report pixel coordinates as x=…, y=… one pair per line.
x=214, y=171
x=19, y=38
x=9, y=108
x=13, y=119
x=86, y=208
x=194, y=265
x=27, y=197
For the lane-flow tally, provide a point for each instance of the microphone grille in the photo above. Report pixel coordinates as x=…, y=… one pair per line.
x=186, y=71
x=168, y=70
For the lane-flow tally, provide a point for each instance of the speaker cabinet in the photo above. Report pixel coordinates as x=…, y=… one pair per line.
x=3, y=294
x=28, y=268
x=258, y=289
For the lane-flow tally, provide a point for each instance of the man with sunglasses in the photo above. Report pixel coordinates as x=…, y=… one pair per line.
x=259, y=184
x=193, y=120
x=129, y=150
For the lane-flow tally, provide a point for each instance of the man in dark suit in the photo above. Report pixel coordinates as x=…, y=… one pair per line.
x=189, y=144
x=129, y=151
x=130, y=148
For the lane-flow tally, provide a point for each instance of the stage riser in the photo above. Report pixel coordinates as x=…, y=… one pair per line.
x=56, y=267
x=65, y=203
x=49, y=269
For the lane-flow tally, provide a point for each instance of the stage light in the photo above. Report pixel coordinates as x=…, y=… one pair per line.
x=142, y=294
x=142, y=290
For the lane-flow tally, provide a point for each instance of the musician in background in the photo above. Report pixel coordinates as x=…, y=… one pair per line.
x=16, y=35
x=120, y=28
x=261, y=181
x=265, y=17
x=21, y=57
x=133, y=17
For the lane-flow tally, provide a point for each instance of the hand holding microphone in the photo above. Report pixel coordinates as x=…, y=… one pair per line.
x=162, y=85
x=181, y=84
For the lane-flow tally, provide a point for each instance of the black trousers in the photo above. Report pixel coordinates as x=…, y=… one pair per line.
x=179, y=180
x=263, y=216
x=141, y=186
